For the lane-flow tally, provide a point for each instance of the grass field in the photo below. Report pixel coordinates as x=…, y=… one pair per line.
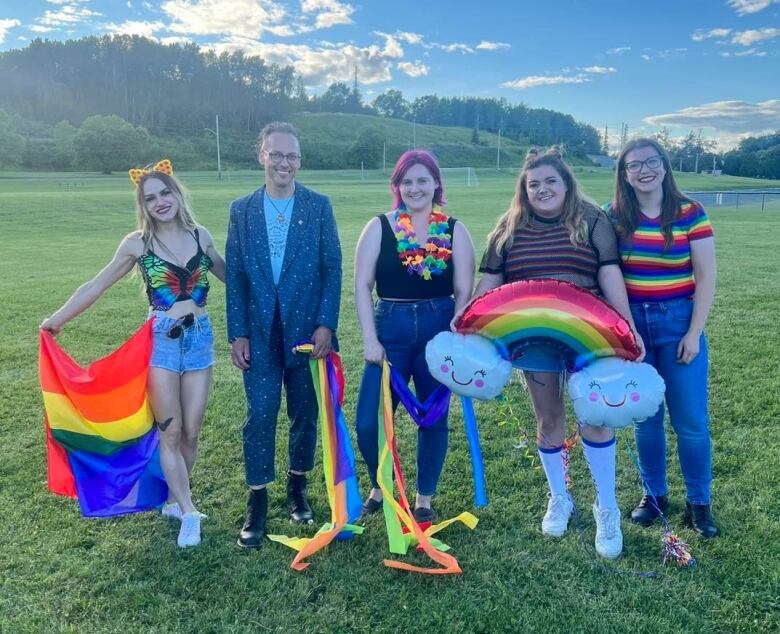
x=60, y=572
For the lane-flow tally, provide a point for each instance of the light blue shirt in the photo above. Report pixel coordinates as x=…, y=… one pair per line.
x=277, y=223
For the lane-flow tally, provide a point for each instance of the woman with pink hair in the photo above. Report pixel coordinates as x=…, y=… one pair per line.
x=421, y=263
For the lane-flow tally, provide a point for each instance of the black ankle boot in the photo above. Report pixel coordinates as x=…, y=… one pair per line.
x=298, y=499
x=253, y=531
x=646, y=512
x=700, y=518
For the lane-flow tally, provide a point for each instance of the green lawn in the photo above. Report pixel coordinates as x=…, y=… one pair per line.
x=60, y=572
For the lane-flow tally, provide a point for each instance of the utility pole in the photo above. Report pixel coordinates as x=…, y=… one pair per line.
x=219, y=161
x=215, y=132
x=698, y=152
x=498, y=152
x=414, y=130
x=384, y=157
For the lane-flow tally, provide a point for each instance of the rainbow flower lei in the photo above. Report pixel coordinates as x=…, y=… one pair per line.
x=431, y=258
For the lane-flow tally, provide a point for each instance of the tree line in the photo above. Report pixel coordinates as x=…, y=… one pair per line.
x=173, y=92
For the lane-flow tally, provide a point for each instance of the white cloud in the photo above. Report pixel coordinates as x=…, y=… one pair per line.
x=666, y=55
x=533, y=81
x=408, y=37
x=699, y=35
x=134, y=27
x=751, y=36
x=69, y=14
x=5, y=26
x=599, y=70
x=751, y=52
x=619, y=50
x=175, y=39
x=319, y=65
x=451, y=48
x=416, y=69
x=392, y=47
x=61, y=2
x=744, y=7
x=484, y=45
x=727, y=117
x=37, y=28
x=234, y=18
x=328, y=12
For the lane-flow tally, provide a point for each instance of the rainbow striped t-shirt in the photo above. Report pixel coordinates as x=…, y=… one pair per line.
x=655, y=275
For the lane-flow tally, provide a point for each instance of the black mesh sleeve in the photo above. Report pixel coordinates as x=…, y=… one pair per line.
x=604, y=241
x=492, y=261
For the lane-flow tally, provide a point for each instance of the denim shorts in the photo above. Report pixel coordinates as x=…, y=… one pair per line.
x=540, y=358
x=192, y=350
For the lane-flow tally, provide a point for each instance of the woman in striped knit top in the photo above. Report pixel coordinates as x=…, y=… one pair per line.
x=668, y=256
x=551, y=231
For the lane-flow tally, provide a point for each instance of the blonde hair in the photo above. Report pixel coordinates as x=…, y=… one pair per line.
x=519, y=213
x=145, y=222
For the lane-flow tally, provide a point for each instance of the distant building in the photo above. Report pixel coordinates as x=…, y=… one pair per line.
x=602, y=160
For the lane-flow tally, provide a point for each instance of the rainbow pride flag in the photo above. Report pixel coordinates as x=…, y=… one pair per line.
x=101, y=443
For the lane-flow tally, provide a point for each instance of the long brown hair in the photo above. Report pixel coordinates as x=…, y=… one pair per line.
x=145, y=222
x=626, y=206
x=519, y=212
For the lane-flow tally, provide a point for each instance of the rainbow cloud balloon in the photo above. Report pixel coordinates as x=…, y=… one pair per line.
x=555, y=314
x=498, y=327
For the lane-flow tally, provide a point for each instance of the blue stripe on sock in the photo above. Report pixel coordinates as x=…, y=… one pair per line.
x=551, y=449
x=600, y=445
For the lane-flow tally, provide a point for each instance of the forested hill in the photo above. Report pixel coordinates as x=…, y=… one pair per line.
x=179, y=89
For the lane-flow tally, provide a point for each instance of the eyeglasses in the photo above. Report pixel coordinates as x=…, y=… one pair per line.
x=178, y=329
x=276, y=157
x=654, y=162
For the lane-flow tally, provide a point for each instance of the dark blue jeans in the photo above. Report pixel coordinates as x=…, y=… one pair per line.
x=662, y=325
x=403, y=328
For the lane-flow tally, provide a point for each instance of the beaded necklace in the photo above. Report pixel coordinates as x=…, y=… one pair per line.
x=431, y=258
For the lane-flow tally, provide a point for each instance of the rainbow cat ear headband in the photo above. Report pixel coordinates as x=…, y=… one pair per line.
x=165, y=166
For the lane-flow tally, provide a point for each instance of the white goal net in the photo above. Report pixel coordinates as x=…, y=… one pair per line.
x=460, y=176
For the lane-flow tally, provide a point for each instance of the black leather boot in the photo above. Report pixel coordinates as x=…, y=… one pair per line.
x=298, y=499
x=253, y=531
x=646, y=512
x=700, y=518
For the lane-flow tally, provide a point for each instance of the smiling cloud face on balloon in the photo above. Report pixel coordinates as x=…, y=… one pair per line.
x=469, y=365
x=615, y=392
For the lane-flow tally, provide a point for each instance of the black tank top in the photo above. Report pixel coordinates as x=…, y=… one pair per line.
x=393, y=279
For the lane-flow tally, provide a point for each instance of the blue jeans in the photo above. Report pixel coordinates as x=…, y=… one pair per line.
x=662, y=325
x=403, y=328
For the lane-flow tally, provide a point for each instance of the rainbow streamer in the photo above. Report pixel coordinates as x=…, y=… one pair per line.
x=397, y=515
x=338, y=462
x=100, y=441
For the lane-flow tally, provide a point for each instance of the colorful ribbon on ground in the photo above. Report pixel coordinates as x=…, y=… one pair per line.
x=338, y=461
x=397, y=514
x=101, y=444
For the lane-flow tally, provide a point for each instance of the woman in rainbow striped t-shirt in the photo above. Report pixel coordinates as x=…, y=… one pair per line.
x=668, y=259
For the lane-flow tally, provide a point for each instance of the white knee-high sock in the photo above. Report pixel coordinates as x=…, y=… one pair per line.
x=601, y=462
x=552, y=462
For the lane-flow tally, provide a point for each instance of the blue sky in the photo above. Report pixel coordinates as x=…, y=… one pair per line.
x=683, y=64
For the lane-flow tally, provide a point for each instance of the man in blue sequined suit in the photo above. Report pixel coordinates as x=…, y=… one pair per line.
x=283, y=285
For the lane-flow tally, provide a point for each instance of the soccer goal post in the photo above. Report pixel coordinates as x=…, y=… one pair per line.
x=460, y=176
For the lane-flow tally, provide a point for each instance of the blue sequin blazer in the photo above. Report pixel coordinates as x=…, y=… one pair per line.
x=309, y=290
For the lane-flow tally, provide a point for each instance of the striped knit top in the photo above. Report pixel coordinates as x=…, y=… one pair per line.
x=543, y=249
x=655, y=275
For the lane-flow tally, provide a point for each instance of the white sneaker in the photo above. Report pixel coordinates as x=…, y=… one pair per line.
x=189, y=533
x=556, y=519
x=171, y=510
x=609, y=539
